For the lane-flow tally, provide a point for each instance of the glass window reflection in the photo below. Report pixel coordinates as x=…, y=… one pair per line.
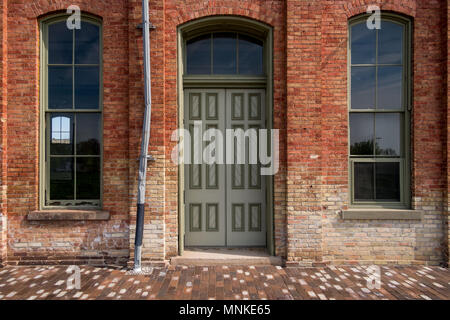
x=60, y=40
x=61, y=134
x=87, y=44
x=250, y=55
x=198, y=55
x=363, y=44
x=224, y=53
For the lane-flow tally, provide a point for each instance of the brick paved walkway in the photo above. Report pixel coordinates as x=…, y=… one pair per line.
x=222, y=282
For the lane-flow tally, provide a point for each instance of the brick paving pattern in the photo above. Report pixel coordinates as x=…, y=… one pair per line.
x=226, y=282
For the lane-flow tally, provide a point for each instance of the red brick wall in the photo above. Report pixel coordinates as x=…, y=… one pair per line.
x=429, y=127
x=310, y=108
x=303, y=130
x=3, y=136
x=179, y=12
x=154, y=229
x=321, y=185
x=447, y=206
x=68, y=240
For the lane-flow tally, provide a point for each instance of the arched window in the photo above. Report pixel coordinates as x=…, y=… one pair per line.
x=224, y=53
x=72, y=113
x=379, y=112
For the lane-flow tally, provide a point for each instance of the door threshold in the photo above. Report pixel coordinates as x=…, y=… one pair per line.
x=226, y=256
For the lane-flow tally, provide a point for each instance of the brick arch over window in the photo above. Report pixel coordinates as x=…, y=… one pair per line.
x=356, y=7
x=191, y=10
x=41, y=9
x=50, y=14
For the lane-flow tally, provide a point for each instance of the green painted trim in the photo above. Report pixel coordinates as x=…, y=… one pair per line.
x=209, y=166
x=233, y=106
x=191, y=223
x=250, y=175
x=379, y=204
x=208, y=107
x=234, y=166
x=221, y=81
x=234, y=185
x=245, y=26
x=258, y=165
x=233, y=217
x=191, y=166
x=405, y=158
x=181, y=167
x=250, y=217
x=258, y=97
x=270, y=225
x=212, y=24
x=216, y=229
x=44, y=179
x=381, y=214
x=191, y=100
x=235, y=36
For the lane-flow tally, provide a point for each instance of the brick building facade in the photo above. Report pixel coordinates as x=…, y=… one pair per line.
x=311, y=191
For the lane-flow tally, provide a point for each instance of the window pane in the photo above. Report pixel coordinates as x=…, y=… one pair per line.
x=198, y=53
x=61, y=179
x=60, y=87
x=390, y=87
x=61, y=134
x=88, y=178
x=60, y=45
x=390, y=43
x=87, y=87
x=87, y=43
x=361, y=133
x=388, y=181
x=388, y=132
x=363, y=88
x=250, y=55
x=363, y=44
x=364, y=188
x=224, y=55
x=88, y=134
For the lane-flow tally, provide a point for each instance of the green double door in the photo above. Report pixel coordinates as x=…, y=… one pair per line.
x=225, y=204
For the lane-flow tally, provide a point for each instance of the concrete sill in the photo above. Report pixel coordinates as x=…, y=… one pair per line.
x=68, y=215
x=381, y=214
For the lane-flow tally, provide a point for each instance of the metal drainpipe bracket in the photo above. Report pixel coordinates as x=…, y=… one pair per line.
x=149, y=158
x=140, y=26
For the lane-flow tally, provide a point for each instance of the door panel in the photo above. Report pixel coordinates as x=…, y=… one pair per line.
x=225, y=205
x=246, y=200
x=204, y=183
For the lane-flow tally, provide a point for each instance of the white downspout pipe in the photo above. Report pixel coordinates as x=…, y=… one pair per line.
x=145, y=140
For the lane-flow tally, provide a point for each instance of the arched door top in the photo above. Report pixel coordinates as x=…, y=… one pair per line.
x=224, y=23
x=227, y=49
x=224, y=53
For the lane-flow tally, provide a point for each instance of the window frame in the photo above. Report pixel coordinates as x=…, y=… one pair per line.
x=405, y=111
x=236, y=34
x=45, y=112
x=233, y=25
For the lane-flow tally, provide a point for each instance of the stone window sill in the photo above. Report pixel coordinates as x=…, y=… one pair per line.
x=68, y=215
x=381, y=214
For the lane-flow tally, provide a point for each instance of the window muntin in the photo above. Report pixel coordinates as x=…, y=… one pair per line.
x=73, y=114
x=224, y=53
x=378, y=114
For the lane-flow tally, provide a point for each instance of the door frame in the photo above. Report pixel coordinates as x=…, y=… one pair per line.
x=237, y=24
